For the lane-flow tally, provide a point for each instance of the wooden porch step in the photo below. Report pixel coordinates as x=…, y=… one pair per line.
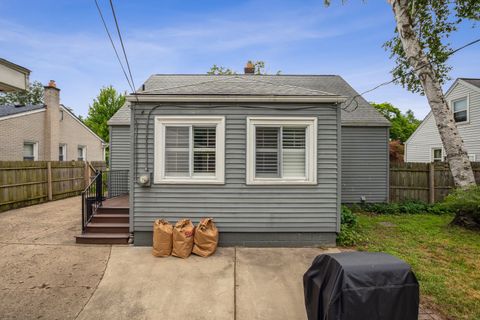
x=110, y=218
x=112, y=210
x=93, y=227
x=103, y=238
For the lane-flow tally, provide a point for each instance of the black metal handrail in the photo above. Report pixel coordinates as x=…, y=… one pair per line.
x=116, y=182
x=92, y=198
x=105, y=184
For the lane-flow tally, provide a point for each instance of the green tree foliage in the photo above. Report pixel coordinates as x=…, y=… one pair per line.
x=33, y=95
x=403, y=124
x=105, y=105
x=433, y=23
x=259, y=69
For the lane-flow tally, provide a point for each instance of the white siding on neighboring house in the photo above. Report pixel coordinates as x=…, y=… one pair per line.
x=418, y=147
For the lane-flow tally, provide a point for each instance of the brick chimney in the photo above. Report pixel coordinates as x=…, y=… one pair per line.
x=51, y=99
x=249, y=68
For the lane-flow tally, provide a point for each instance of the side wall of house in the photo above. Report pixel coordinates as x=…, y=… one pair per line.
x=74, y=134
x=419, y=147
x=120, y=151
x=245, y=214
x=365, y=164
x=15, y=131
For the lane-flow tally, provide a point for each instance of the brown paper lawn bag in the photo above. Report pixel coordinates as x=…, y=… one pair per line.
x=183, y=238
x=206, y=238
x=162, y=238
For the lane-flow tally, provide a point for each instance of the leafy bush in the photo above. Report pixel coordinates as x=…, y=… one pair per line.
x=466, y=205
x=407, y=207
x=349, y=234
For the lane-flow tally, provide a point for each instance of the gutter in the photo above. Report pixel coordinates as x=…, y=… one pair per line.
x=234, y=98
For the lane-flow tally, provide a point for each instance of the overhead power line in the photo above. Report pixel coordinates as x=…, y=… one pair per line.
x=123, y=46
x=114, y=47
x=354, y=98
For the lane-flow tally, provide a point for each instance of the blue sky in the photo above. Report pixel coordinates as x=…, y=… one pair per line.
x=65, y=41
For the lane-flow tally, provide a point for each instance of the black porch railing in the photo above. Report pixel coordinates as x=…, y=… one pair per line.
x=105, y=184
x=116, y=182
x=92, y=198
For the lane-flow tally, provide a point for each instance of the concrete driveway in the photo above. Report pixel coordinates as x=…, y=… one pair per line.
x=235, y=283
x=45, y=275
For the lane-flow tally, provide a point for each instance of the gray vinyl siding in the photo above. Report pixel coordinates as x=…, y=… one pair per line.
x=365, y=162
x=235, y=206
x=120, y=147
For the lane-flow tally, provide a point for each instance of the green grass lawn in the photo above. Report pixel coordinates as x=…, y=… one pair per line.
x=445, y=259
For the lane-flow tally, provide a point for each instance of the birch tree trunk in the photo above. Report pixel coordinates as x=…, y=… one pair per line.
x=457, y=156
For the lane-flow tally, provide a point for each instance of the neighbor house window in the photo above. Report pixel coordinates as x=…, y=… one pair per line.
x=281, y=150
x=82, y=153
x=30, y=151
x=437, y=154
x=62, y=152
x=189, y=149
x=460, y=110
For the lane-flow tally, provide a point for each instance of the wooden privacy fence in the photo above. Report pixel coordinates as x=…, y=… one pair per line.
x=427, y=182
x=24, y=183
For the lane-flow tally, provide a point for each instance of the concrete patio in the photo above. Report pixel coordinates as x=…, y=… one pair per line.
x=45, y=275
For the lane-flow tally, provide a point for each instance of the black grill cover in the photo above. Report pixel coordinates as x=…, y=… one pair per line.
x=360, y=285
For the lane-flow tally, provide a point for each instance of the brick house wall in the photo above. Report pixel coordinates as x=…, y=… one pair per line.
x=49, y=128
x=15, y=131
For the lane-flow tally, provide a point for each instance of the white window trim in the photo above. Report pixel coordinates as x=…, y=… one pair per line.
x=467, y=97
x=35, y=149
x=159, y=170
x=84, y=152
x=310, y=149
x=432, y=158
x=64, y=151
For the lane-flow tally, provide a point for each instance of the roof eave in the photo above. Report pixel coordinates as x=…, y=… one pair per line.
x=234, y=98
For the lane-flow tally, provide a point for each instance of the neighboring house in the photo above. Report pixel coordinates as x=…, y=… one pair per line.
x=46, y=132
x=425, y=145
x=12, y=76
x=269, y=157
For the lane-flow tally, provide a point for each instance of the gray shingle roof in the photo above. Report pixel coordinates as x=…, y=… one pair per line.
x=472, y=81
x=304, y=85
x=10, y=109
x=121, y=117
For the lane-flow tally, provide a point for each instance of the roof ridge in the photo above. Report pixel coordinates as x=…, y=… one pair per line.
x=181, y=86
x=240, y=74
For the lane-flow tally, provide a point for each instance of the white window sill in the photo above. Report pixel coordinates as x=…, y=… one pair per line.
x=280, y=182
x=188, y=181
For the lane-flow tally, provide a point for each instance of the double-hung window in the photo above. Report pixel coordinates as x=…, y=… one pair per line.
x=62, y=152
x=189, y=149
x=281, y=150
x=82, y=153
x=460, y=110
x=30, y=151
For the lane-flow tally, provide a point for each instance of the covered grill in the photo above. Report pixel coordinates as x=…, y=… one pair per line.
x=360, y=285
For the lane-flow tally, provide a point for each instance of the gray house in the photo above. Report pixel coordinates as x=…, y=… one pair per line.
x=269, y=157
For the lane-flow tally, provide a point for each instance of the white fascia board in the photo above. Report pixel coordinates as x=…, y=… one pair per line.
x=22, y=114
x=234, y=98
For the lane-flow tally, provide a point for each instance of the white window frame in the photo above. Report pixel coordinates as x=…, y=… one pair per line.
x=432, y=154
x=310, y=150
x=84, y=152
x=35, y=150
x=472, y=157
x=161, y=122
x=64, y=151
x=467, y=97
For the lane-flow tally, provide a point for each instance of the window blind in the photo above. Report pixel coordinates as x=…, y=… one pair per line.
x=204, y=140
x=273, y=153
x=177, y=151
x=293, y=151
x=267, y=152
